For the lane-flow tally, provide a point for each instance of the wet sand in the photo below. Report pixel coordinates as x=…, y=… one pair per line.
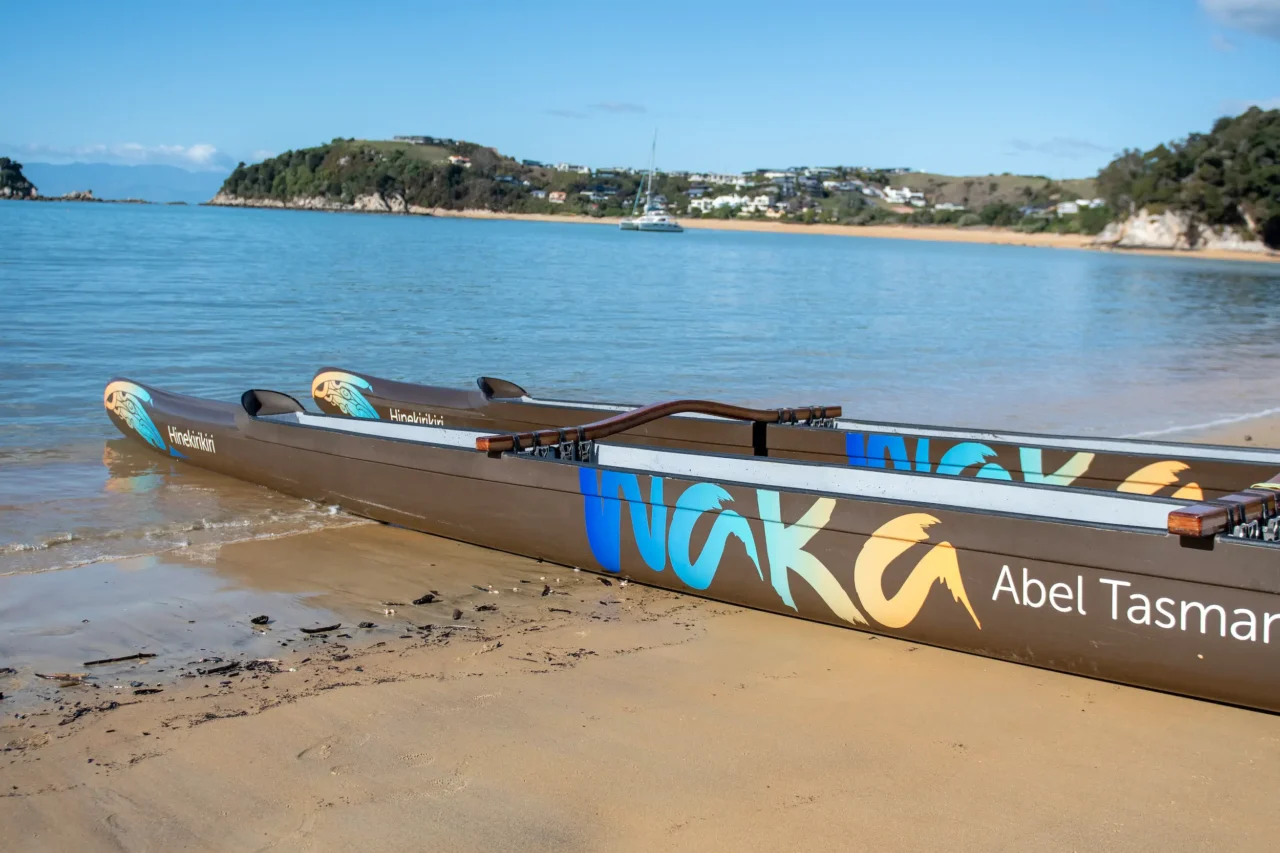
x=940, y=233
x=636, y=720
x=1254, y=432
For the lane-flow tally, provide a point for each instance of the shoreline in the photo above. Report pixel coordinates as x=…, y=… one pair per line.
x=984, y=235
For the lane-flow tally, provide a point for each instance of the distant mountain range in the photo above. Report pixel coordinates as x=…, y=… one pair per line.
x=150, y=183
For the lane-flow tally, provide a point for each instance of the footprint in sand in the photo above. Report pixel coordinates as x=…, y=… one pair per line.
x=338, y=744
x=418, y=759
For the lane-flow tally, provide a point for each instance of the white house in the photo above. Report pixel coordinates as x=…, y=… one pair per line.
x=904, y=195
x=1067, y=208
x=719, y=179
x=947, y=205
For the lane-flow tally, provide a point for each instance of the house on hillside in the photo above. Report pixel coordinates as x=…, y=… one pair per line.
x=457, y=160
x=947, y=205
x=784, y=181
x=718, y=179
x=536, y=163
x=557, y=197
x=904, y=195
x=573, y=167
x=425, y=140
x=538, y=193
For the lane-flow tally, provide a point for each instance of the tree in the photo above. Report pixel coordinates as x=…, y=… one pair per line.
x=999, y=213
x=1229, y=176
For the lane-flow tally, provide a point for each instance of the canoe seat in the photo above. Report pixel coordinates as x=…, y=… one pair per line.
x=500, y=388
x=258, y=402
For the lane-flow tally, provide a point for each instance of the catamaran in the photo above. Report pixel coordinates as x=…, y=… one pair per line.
x=654, y=217
x=1152, y=591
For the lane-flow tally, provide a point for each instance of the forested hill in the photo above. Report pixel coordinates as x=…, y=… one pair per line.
x=14, y=184
x=1229, y=176
x=420, y=174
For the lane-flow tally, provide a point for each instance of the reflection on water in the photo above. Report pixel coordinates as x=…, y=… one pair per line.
x=211, y=301
x=135, y=503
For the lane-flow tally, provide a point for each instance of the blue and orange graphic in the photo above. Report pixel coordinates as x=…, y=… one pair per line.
x=128, y=402
x=344, y=392
x=604, y=494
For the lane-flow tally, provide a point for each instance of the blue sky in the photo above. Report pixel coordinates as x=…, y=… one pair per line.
x=955, y=86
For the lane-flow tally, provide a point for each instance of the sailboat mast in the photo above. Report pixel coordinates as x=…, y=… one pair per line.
x=653, y=153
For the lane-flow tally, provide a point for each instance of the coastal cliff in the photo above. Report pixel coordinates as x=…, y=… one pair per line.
x=367, y=203
x=1177, y=231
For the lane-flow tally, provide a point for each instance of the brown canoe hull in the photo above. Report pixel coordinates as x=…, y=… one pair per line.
x=1134, y=607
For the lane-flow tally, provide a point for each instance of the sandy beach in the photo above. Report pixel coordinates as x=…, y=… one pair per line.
x=596, y=717
x=939, y=233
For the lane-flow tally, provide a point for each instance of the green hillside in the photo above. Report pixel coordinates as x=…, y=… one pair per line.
x=977, y=191
x=423, y=175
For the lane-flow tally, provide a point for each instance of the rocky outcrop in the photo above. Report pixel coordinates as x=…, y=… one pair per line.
x=78, y=195
x=9, y=192
x=371, y=203
x=1174, y=230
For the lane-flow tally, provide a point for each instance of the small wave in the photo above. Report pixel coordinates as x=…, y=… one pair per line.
x=45, y=545
x=1233, y=419
x=202, y=551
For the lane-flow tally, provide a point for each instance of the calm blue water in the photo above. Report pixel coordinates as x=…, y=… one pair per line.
x=211, y=301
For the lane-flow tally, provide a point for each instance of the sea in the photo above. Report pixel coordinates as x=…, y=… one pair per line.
x=212, y=301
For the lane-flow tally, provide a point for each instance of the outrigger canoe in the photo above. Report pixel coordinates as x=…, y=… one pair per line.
x=1183, y=471
x=1145, y=590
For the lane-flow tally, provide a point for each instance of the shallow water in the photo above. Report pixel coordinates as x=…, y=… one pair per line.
x=211, y=301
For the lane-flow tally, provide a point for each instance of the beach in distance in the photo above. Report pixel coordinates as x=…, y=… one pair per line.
x=940, y=233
